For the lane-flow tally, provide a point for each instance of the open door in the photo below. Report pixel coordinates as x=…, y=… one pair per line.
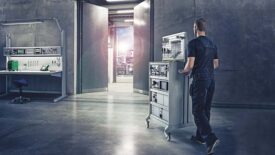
x=93, y=50
x=142, y=46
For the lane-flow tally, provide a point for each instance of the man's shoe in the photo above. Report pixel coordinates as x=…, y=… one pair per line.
x=211, y=146
x=198, y=139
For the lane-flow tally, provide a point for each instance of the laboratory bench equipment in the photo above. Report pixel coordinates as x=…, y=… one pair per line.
x=36, y=61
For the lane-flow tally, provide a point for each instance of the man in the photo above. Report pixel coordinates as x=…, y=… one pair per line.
x=202, y=60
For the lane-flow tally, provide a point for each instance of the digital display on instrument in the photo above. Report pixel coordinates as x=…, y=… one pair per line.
x=21, y=51
x=30, y=51
x=38, y=51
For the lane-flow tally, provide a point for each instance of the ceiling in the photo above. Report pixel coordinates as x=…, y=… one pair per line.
x=118, y=19
x=116, y=2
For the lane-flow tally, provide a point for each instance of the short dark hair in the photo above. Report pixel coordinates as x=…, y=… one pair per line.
x=201, y=24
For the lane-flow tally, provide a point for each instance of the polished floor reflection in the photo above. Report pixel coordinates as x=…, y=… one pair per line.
x=113, y=123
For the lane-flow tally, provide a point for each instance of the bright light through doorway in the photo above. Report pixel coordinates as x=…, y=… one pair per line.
x=125, y=53
x=123, y=47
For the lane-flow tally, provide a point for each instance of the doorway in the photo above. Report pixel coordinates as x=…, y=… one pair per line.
x=121, y=24
x=106, y=55
x=123, y=68
x=125, y=55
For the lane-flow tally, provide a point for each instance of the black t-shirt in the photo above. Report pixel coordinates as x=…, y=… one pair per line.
x=204, y=51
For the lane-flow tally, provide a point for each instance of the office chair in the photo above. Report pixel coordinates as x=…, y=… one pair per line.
x=20, y=99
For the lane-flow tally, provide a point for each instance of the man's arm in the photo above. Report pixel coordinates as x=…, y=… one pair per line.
x=216, y=63
x=189, y=65
x=190, y=59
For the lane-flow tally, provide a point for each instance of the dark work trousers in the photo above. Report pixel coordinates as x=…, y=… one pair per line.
x=202, y=92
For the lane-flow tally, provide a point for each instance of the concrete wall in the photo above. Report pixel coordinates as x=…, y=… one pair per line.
x=42, y=34
x=244, y=32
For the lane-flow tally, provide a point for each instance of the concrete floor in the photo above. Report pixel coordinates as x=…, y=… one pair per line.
x=113, y=123
x=125, y=79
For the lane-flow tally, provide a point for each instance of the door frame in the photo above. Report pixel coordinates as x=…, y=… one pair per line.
x=79, y=21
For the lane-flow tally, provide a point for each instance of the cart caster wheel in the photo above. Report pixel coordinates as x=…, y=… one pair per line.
x=147, y=121
x=168, y=137
x=147, y=124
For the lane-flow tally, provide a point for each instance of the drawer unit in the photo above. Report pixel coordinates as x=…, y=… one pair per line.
x=157, y=98
x=159, y=84
x=160, y=113
x=169, y=96
x=155, y=111
x=160, y=99
x=164, y=85
x=165, y=115
x=154, y=97
x=166, y=100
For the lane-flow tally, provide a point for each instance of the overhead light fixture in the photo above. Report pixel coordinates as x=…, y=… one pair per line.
x=115, y=0
x=124, y=11
x=129, y=20
x=21, y=22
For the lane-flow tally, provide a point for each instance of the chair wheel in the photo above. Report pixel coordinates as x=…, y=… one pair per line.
x=26, y=100
x=20, y=100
